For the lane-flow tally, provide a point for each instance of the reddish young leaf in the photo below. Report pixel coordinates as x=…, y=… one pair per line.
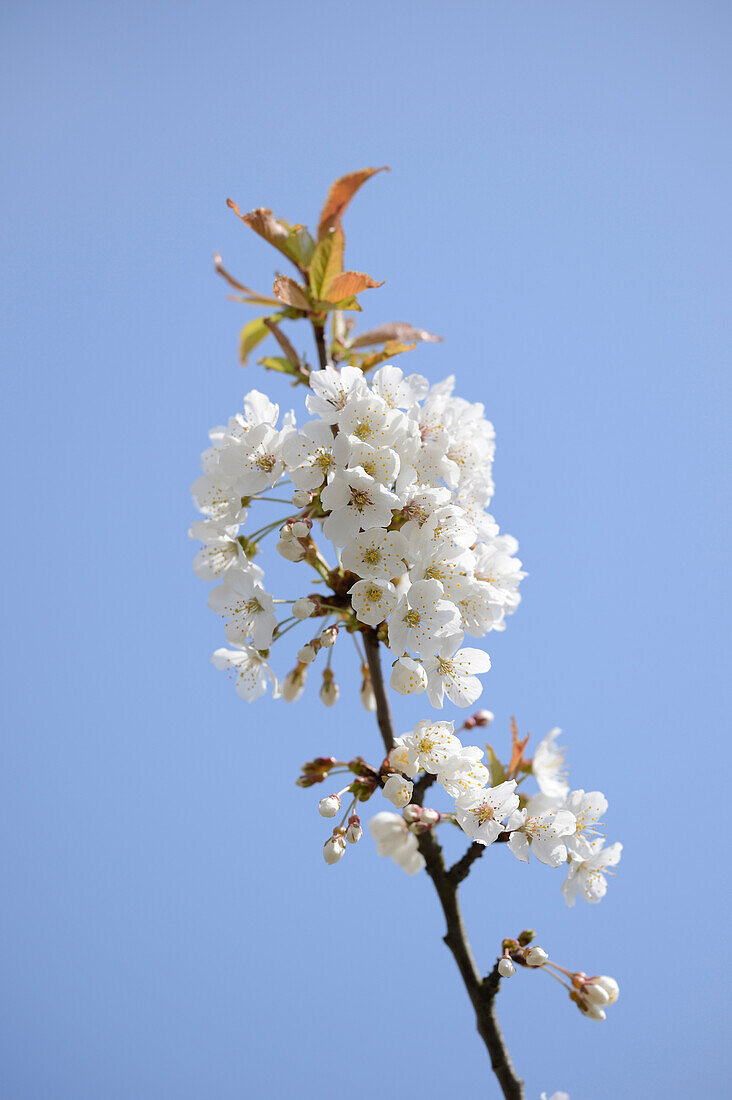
x=517, y=751
x=282, y=340
x=347, y=284
x=291, y=293
x=397, y=330
x=340, y=194
x=263, y=222
x=389, y=350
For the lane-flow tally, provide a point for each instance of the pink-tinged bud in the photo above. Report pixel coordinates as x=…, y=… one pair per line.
x=506, y=968
x=535, y=956
x=301, y=498
x=419, y=827
x=286, y=533
x=291, y=551
x=329, y=689
x=411, y=813
x=483, y=717
x=328, y=637
x=354, y=832
x=304, y=608
x=334, y=849
x=431, y=817
x=301, y=528
x=329, y=806
x=398, y=790
x=293, y=684
x=307, y=654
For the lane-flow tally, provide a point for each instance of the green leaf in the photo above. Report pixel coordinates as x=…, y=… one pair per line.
x=498, y=775
x=278, y=363
x=327, y=261
x=300, y=246
x=251, y=335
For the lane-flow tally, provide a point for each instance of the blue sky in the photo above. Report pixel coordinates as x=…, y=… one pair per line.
x=558, y=209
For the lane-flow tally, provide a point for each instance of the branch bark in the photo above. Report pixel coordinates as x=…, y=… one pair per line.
x=482, y=991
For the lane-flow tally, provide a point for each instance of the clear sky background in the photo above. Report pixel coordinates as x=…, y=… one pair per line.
x=558, y=208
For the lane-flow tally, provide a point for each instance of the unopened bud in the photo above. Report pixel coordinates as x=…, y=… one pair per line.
x=592, y=1012
x=506, y=968
x=291, y=551
x=609, y=985
x=483, y=717
x=595, y=994
x=329, y=806
x=301, y=498
x=329, y=689
x=411, y=813
x=334, y=849
x=303, y=608
x=526, y=937
x=293, y=684
x=354, y=832
x=398, y=790
x=419, y=827
x=535, y=956
x=431, y=817
x=307, y=654
x=328, y=637
x=408, y=676
x=286, y=532
x=368, y=699
x=301, y=528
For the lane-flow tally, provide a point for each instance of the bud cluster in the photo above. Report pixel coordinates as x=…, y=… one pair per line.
x=592, y=995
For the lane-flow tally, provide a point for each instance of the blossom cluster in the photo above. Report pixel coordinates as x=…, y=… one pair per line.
x=557, y=826
x=397, y=475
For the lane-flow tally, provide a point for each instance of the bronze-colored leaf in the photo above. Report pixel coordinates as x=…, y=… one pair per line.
x=389, y=350
x=397, y=330
x=327, y=261
x=263, y=222
x=291, y=293
x=340, y=194
x=347, y=284
x=517, y=761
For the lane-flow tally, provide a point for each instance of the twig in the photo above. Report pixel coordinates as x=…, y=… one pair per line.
x=482, y=991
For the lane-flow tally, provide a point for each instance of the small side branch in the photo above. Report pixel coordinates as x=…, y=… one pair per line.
x=482, y=991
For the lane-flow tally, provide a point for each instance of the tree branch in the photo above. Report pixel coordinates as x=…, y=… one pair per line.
x=482, y=991
x=319, y=332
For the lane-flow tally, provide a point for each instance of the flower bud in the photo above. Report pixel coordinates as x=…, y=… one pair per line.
x=610, y=986
x=329, y=689
x=483, y=717
x=431, y=817
x=307, y=654
x=291, y=551
x=329, y=806
x=419, y=827
x=398, y=790
x=334, y=849
x=303, y=608
x=301, y=528
x=293, y=684
x=354, y=832
x=368, y=699
x=526, y=936
x=286, y=533
x=592, y=1012
x=411, y=813
x=506, y=968
x=328, y=637
x=535, y=956
x=595, y=994
x=408, y=676
x=301, y=498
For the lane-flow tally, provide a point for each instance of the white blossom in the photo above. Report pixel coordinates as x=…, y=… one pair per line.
x=451, y=671
x=481, y=813
x=408, y=676
x=542, y=834
x=250, y=670
x=393, y=839
x=376, y=553
x=431, y=744
x=548, y=766
x=373, y=600
x=421, y=619
x=398, y=790
x=586, y=877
